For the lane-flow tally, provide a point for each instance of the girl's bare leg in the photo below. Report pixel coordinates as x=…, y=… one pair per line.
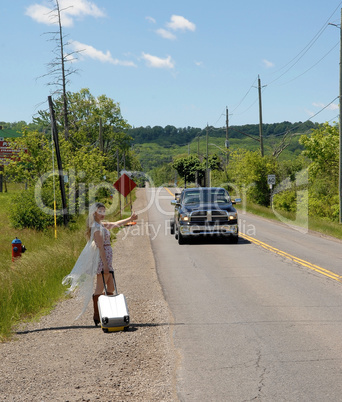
x=99, y=284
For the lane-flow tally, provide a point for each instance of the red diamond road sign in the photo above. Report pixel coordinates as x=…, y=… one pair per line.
x=124, y=185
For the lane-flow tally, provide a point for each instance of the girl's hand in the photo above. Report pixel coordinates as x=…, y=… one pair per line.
x=134, y=216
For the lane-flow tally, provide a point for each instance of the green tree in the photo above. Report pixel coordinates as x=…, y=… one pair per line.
x=250, y=170
x=190, y=167
x=214, y=162
x=33, y=160
x=93, y=122
x=34, y=166
x=96, y=138
x=322, y=149
x=163, y=175
x=187, y=167
x=287, y=170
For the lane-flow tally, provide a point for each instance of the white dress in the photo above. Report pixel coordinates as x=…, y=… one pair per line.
x=81, y=278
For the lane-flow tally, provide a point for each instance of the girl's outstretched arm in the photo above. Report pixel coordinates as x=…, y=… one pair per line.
x=111, y=225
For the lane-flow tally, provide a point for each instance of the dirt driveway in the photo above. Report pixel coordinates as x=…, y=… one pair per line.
x=59, y=359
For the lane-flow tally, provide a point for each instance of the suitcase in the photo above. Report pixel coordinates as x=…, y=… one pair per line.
x=113, y=311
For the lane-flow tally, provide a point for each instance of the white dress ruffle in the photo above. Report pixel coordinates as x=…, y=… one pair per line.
x=81, y=278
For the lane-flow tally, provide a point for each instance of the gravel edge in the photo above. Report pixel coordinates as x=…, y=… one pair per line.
x=61, y=359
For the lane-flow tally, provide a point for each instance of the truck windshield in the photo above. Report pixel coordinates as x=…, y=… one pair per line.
x=206, y=197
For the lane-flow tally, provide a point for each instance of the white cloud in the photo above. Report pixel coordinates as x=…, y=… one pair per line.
x=179, y=23
x=151, y=19
x=157, y=62
x=199, y=63
x=70, y=9
x=332, y=106
x=81, y=7
x=317, y=104
x=90, y=51
x=165, y=34
x=309, y=112
x=268, y=64
x=40, y=13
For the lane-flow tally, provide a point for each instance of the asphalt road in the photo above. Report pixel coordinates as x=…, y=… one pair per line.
x=260, y=320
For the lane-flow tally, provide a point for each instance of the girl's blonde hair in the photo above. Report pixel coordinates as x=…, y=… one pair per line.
x=91, y=218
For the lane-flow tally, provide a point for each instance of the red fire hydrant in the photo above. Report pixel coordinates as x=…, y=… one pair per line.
x=17, y=248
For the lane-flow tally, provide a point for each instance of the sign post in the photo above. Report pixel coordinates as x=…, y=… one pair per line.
x=271, y=181
x=7, y=153
x=124, y=185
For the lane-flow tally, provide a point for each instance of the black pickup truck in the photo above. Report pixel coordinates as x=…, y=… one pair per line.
x=204, y=211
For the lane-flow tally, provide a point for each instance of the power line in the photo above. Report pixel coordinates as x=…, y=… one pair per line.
x=254, y=102
x=300, y=124
x=293, y=62
x=252, y=86
x=323, y=108
x=336, y=117
x=222, y=114
x=314, y=65
x=301, y=54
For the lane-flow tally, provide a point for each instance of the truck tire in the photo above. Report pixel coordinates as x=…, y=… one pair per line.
x=172, y=226
x=234, y=239
x=180, y=238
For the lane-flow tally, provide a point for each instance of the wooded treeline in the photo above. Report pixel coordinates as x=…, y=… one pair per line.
x=170, y=135
x=170, y=154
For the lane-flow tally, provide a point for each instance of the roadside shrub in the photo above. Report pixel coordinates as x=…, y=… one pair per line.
x=285, y=201
x=324, y=207
x=25, y=213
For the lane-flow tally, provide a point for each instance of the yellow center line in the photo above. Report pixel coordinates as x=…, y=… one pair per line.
x=304, y=263
x=169, y=191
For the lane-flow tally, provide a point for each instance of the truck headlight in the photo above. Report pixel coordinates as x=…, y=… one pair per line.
x=184, y=217
x=232, y=216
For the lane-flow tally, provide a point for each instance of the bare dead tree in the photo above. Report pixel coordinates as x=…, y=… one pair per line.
x=284, y=143
x=60, y=69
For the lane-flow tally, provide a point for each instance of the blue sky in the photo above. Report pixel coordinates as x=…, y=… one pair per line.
x=180, y=62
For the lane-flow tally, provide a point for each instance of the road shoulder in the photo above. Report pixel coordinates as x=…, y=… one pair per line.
x=61, y=359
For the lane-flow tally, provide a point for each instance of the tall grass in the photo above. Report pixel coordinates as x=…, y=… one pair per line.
x=32, y=284
x=323, y=226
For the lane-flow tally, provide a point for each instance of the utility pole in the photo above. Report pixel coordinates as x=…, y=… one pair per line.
x=340, y=126
x=227, y=141
x=260, y=119
x=118, y=170
x=207, y=161
x=59, y=161
x=100, y=135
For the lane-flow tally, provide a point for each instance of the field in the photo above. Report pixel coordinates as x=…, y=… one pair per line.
x=152, y=155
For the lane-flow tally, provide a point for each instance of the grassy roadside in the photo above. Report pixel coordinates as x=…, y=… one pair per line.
x=316, y=224
x=31, y=286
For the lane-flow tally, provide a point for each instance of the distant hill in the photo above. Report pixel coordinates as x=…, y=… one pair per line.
x=170, y=135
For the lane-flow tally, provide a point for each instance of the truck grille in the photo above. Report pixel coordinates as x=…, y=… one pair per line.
x=211, y=216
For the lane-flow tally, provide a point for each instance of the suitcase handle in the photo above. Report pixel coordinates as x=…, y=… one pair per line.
x=104, y=283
